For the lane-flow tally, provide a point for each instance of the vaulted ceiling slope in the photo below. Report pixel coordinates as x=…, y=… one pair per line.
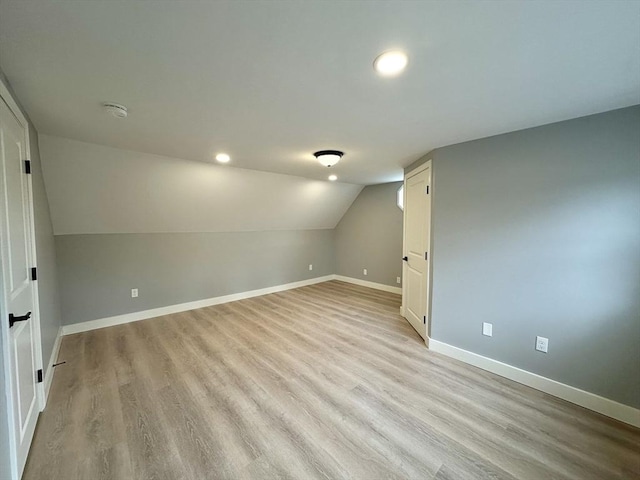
x=271, y=82
x=97, y=189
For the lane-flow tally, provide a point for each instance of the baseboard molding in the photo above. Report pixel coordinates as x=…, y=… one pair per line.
x=365, y=283
x=49, y=369
x=594, y=402
x=183, y=307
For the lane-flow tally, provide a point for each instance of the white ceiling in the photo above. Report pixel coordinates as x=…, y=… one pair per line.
x=271, y=82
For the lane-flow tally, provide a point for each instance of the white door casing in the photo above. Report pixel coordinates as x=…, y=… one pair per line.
x=21, y=342
x=417, y=257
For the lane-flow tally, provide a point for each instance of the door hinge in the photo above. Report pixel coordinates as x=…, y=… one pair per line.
x=424, y=319
x=27, y=167
x=39, y=374
x=427, y=190
x=34, y=274
x=426, y=255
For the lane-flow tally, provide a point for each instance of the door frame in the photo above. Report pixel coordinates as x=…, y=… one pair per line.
x=7, y=97
x=426, y=165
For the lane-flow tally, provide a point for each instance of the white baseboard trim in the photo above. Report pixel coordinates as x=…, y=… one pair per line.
x=49, y=370
x=599, y=404
x=365, y=283
x=183, y=307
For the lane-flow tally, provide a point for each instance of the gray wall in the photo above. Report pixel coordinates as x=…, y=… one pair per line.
x=97, y=272
x=50, y=316
x=369, y=236
x=538, y=232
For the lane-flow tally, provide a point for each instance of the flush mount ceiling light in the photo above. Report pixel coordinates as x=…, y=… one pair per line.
x=391, y=63
x=328, y=158
x=223, y=158
x=333, y=178
x=118, y=111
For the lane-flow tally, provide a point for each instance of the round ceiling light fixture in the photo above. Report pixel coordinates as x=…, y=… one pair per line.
x=118, y=111
x=333, y=178
x=328, y=158
x=223, y=158
x=391, y=63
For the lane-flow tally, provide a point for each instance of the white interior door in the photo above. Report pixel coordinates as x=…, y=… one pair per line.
x=417, y=225
x=20, y=329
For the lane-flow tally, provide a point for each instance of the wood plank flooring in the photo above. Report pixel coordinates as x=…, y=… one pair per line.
x=321, y=382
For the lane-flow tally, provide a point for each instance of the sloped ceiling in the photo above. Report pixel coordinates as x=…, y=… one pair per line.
x=271, y=82
x=97, y=189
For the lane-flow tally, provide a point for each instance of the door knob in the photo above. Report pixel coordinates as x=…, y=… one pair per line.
x=13, y=319
x=406, y=259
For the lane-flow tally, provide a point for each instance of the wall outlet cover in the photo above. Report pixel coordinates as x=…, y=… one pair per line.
x=398, y=280
x=310, y=267
x=487, y=329
x=542, y=344
x=134, y=293
x=364, y=271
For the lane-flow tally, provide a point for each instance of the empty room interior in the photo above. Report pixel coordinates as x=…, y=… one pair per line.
x=313, y=239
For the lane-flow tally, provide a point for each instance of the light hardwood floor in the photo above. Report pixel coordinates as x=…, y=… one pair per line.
x=321, y=382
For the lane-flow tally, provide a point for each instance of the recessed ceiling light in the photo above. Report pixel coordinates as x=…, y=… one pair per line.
x=223, y=158
x=391, y=63
x=333, y=178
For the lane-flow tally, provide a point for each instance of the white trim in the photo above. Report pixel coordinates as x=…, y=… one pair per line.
x=594, y=402
x=35, y=290
x=183, y=307
x=366, y=283
x=48, y=375
x=418, y=169
x=13, y=106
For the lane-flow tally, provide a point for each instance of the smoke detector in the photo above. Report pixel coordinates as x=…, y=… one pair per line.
x=118, y=111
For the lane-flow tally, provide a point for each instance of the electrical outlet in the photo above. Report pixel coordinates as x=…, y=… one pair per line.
x=398, y=280
x=364, y=271
x=134, y=293
x=542, y=344
x=310, y=267
x=487, y=329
